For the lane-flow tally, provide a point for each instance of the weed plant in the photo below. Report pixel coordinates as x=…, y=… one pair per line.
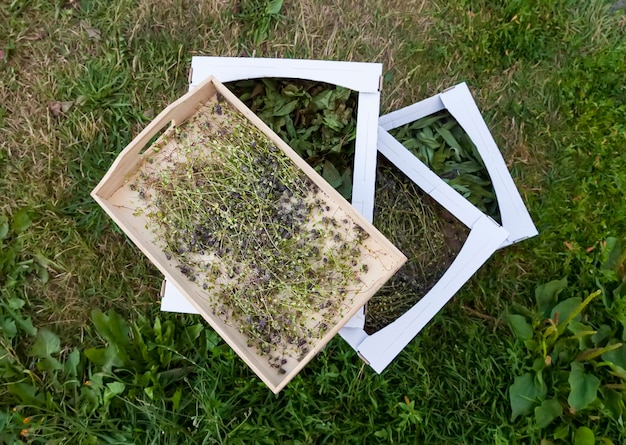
x=274, y=257
x=576, y=363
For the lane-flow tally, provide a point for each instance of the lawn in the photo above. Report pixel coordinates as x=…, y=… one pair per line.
x=86, y=356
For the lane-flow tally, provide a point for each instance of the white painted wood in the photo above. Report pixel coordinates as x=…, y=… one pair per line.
x=515, y=217
x=364, y=171
x=459, y=102
x=358, y=76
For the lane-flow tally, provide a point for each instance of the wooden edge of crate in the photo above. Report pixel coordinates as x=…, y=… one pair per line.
x=174, y=114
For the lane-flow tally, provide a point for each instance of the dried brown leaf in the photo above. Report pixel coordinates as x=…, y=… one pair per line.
x=38, y=35
x=55, y=108
x=93, y=33
x=65, y=106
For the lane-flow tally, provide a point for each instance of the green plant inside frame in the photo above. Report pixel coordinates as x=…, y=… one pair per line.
x=316, y=119
x=441, y=143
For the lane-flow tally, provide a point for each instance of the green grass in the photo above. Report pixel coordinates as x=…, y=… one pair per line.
x=549, y=79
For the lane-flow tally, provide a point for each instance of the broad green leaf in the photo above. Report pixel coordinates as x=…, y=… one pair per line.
x=286, y=108
x=612, y=252
x=411, y=144
x=156, y=328
x=426, y=121
x=561, y=432
x=426, y=136
x=46, y=344
x=547, y=412
x=8, y=328
x=42, y=274
x=620, y=292
x=332, y=122
x=438, y=162
x=323, y=100
x=341, y=94
x=113, y=389
x=25, y=324
x=116, y=387
x=382, y=434
x=582, y=333
x=565, y=308
x=575, y=313
x=346, y=184
x=28, y=394
x=583, y=387
x=175, y=399
x=16, y=303
x=603, y=332
x=613, y=402
x=21, y=221
x=274, y=7
x=590, y=354
x=194, y=331
x=539, y=365
x=292, y=90
x=309, y=131
x=336, y=148
x=617, y=371
x=212, y=339
x=140, y=345
x=259, y=35
x=331, y=175
x=49, y=364
x=289, y=128
x=449, y=138
x=107, y=358
x=584, y=436
x=546, y=295
x=112, y=327
x=452, y=142
x=525, y=393
x=463, y=167
x=520, y=326
x=71, y=363
x=245, y=96
x=616, y=356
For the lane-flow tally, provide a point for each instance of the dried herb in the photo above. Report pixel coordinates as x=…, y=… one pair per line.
x=239, y=219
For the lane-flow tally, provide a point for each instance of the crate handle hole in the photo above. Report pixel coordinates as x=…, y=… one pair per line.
x=154, y=138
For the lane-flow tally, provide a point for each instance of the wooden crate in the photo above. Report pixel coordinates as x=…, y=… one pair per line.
x=374, y=259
